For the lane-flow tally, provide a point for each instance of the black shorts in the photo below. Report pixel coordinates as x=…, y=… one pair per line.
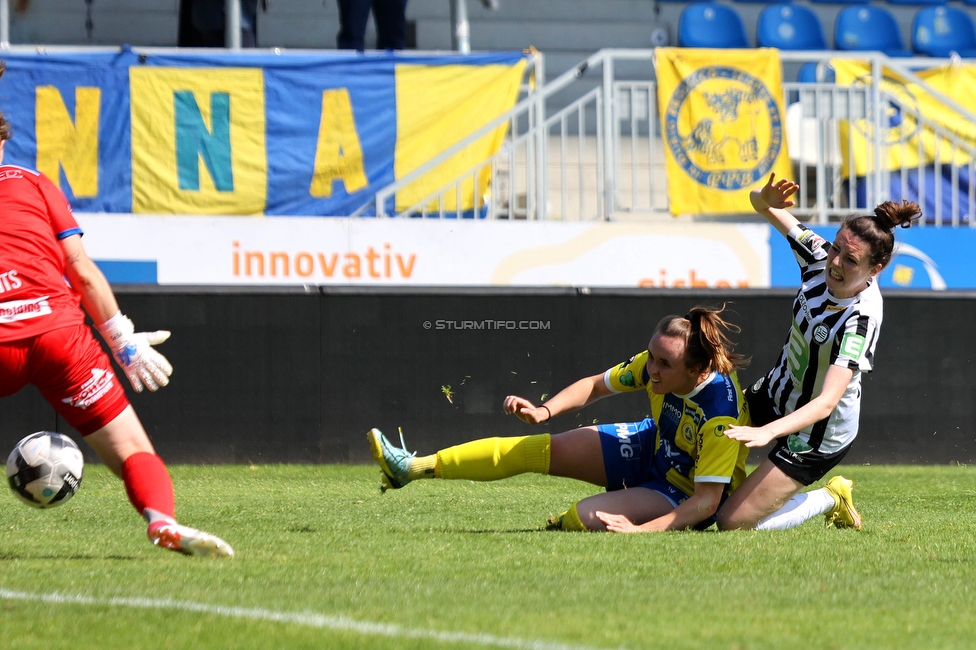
x=761, y=408
x=807, y=467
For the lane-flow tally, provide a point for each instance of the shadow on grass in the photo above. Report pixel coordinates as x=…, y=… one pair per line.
x=499, y=531
x=9, y=557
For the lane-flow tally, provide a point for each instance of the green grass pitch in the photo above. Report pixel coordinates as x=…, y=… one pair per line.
x=325, y=561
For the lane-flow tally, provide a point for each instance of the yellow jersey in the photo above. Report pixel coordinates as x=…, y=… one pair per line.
x=691, y=445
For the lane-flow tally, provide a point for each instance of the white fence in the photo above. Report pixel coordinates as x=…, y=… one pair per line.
x=572, y=155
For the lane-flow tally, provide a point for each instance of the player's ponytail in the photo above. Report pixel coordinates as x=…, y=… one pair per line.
x=707, y=345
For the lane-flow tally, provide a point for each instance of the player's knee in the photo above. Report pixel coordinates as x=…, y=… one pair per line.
x=726, y=519
x=582, y=519
x=723, y=520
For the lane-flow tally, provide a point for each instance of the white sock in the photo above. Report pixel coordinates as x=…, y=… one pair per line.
x=800, y=508
x=152, y=516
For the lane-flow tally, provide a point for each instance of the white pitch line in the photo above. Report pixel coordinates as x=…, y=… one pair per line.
x=309, y=619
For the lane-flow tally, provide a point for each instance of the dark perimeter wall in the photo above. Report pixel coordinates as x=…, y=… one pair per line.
x=300, y=375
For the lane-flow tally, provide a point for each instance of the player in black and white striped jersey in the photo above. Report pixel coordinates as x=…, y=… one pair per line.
x=809, y=402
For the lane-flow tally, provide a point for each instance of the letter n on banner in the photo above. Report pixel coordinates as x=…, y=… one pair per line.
x=198, y=142
x=63, y=143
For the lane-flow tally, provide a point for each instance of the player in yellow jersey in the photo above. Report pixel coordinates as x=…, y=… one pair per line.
x=667, y=472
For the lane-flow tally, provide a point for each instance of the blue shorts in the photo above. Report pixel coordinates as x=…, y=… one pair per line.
x=628, y=458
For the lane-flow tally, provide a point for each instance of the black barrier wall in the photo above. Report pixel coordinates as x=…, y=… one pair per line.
x=300, y=375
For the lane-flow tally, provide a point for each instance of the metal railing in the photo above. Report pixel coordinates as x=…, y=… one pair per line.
x=585, y=158
x=893, y=130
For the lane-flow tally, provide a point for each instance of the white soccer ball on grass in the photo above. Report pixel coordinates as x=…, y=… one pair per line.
x=44, y=469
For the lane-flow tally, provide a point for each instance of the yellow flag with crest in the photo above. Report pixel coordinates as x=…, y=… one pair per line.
x=722, y=125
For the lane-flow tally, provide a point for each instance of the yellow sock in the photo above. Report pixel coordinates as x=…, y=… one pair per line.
x=422, y=467
x=491, y=459
x=572, y=521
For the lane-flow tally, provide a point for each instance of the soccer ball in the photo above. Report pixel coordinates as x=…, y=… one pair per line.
x=44, y=469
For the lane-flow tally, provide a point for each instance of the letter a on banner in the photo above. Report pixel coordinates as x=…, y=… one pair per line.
x=339, y=154
x=722, y=120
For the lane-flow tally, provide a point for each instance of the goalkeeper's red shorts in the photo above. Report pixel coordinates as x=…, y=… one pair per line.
x=72, y=372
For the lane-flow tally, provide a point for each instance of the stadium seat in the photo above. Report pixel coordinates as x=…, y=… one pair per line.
x=868, y=28
x=916, y=2
x=841, y=2
x=809, y=70
x=709, y=24
x=940, y=31
x=789, y=27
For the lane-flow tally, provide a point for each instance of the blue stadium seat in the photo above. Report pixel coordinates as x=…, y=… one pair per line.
x=789, y=27
x=868, y=28
x=842, y=2
x=709, y=24
x=916, y=2
x=940, y=31
x=808, y=73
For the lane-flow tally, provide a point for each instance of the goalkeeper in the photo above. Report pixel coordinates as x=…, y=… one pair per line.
x=44, y=341
x=668, y=472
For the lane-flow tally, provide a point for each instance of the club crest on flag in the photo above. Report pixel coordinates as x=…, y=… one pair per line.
x=722, y=149
x=722, y=121
x=899, y=125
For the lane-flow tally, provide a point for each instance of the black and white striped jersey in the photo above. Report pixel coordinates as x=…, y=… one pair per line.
x=826, y=331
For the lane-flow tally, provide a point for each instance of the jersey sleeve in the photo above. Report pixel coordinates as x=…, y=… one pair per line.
x=717, y=454
x=59, y=213
x=808, y=247
x=856, y=342
x=629, y=376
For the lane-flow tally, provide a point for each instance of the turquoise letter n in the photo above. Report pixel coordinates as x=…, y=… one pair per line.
x=194, y=141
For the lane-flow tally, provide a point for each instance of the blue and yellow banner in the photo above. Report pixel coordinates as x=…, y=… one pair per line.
x=250, y=133
x=722, y=122
x=905, y=140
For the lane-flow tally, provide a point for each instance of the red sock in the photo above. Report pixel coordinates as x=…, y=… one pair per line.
x=148, y=484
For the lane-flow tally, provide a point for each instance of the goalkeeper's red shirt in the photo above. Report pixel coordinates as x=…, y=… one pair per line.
x=34, y=295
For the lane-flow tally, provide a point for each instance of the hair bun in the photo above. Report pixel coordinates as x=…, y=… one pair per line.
x=891, y=214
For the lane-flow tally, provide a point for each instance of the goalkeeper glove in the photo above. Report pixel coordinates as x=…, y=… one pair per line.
x=134, y=353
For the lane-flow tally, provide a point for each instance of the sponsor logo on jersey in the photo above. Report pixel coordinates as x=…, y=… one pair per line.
x=624, y=434
x=811, y=240
x=9, y=281
x=10, y=173
x=627, y=379
x=852, y=346
x=670, y=412
x=15, y=310
x=92, y=390
x=803, y=303
x=796, y=445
